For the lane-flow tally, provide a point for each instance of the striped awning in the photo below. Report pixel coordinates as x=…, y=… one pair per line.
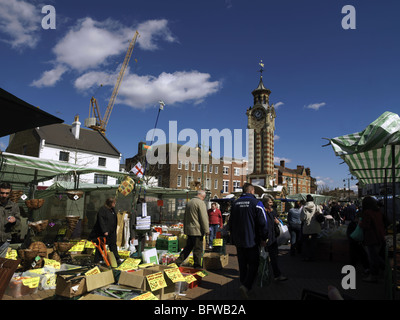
x=373, y=155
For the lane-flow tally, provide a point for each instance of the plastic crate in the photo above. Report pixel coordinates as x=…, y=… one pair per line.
x=186, y=271
x=169, y=245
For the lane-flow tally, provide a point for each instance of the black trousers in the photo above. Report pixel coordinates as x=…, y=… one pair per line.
x=248, y=259
x=195, y=244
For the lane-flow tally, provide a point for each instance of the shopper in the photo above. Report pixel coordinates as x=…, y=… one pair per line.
x=215, y=222
x=311, y=228
x=273, y=233
x=248, y=228
x=10, y=218
x=294, y=226
x=106, y=226
x=374, y=236
x=195, y=226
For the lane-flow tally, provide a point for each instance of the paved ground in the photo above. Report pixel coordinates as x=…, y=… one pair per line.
x=315, y=276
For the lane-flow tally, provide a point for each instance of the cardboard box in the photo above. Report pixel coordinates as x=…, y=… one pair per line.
x=79, y=285
x=215, y=261
x=137, y=279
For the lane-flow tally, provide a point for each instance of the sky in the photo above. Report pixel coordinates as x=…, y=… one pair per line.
x=331, y=69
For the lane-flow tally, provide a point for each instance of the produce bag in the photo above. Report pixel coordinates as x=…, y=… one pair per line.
x=284, y=235
x=264, y=274
x=357, y=234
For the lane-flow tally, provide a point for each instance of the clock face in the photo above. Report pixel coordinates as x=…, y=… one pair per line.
x=258, y=114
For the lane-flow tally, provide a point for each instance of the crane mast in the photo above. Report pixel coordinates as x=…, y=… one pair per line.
x=95, y=121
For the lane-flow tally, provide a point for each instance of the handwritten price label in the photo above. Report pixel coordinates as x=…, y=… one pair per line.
x=31, y=282
x=218, y=242
x=146, y=296
x=174, y=274
x=93, y=271
x=190, y=278
x=78, y=247
x=129, y=264
x=52, y=263
x=156, y=281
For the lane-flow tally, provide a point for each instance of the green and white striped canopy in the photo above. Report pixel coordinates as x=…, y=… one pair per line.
x=369, y=153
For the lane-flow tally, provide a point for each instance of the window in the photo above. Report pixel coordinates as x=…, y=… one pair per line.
x=186, y=165
x=179, y=164
x=64, y=156
x=102, y=162
x=236, y=184
x=193, y=167
x=216, y=169
x=216, y=184
x=179, y=181
x=225, y=186
x=160, y=166
x=205, y=168
x=199, y=167
x=211, y=167
x=188, y=179
x=225, y=170
x=236, y=171
x=208, y=183
x=100, y=178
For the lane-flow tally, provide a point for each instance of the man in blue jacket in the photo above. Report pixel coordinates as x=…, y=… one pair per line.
x=248, y=227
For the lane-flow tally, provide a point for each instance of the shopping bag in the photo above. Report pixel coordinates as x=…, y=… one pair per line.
x=357, y=234
x=264, y=274
x=284, y=235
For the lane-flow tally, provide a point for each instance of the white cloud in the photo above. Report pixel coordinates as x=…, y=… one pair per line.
x=276, y=137
x=50, y=78
x=152, y=30
x=91, y=44
x=145, y=91
x=315, y=106
x=20, y=21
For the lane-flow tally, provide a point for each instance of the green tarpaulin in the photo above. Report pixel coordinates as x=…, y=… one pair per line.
x=369, y=153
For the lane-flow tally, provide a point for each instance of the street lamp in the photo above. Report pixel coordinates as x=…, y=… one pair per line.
x=348, y=182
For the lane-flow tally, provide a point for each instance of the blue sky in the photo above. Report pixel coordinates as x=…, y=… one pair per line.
x=201, y=58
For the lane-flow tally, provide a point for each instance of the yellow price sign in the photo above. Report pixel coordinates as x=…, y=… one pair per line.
x=31, y=282
x=129, y=264
x=146, y=296
x=78, y=247
x=52, y=263
x=12, y=254
x=93, y=271
x=174, y=274
x=201, y=274
x=156, y=281
x=190, y=278
x=218, y=242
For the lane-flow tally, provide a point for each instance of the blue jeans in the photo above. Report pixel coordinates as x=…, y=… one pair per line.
x=213, y=233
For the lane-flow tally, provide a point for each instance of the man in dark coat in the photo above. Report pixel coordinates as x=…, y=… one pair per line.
x=106, y=226
x=248, y=228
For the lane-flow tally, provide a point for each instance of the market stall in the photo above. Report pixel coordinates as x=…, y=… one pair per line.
x=373, y=156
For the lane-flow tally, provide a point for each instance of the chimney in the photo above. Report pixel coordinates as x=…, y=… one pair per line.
x=282, y=163
x=76, y=127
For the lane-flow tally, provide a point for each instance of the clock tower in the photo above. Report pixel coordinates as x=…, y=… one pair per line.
x=261, y=118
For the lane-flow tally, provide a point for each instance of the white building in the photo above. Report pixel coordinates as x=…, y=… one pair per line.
x=72, y=144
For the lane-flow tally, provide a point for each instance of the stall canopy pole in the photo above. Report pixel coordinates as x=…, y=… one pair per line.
x=394, y=273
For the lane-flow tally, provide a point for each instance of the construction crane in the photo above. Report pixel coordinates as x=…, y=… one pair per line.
x=95, y=121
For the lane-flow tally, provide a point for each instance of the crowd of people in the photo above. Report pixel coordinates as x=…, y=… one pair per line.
x=253, y=223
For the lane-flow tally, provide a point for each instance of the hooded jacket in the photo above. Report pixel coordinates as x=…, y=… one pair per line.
x=307, y=215
x=247, y=222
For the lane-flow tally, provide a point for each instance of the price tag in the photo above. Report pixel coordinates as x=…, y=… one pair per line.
x=124, y=254
x=146, y=296
x=218, y=242
x=52, y=263
x=62, y=231
x=93, y=271
x=89, y=245
x=31, y=282
x=190, y=278
x=156, y=281
x=78, y=247
x=201, y=273
x=173, y=265
x=129, y=264
x=12, y=254
x=174, y=274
